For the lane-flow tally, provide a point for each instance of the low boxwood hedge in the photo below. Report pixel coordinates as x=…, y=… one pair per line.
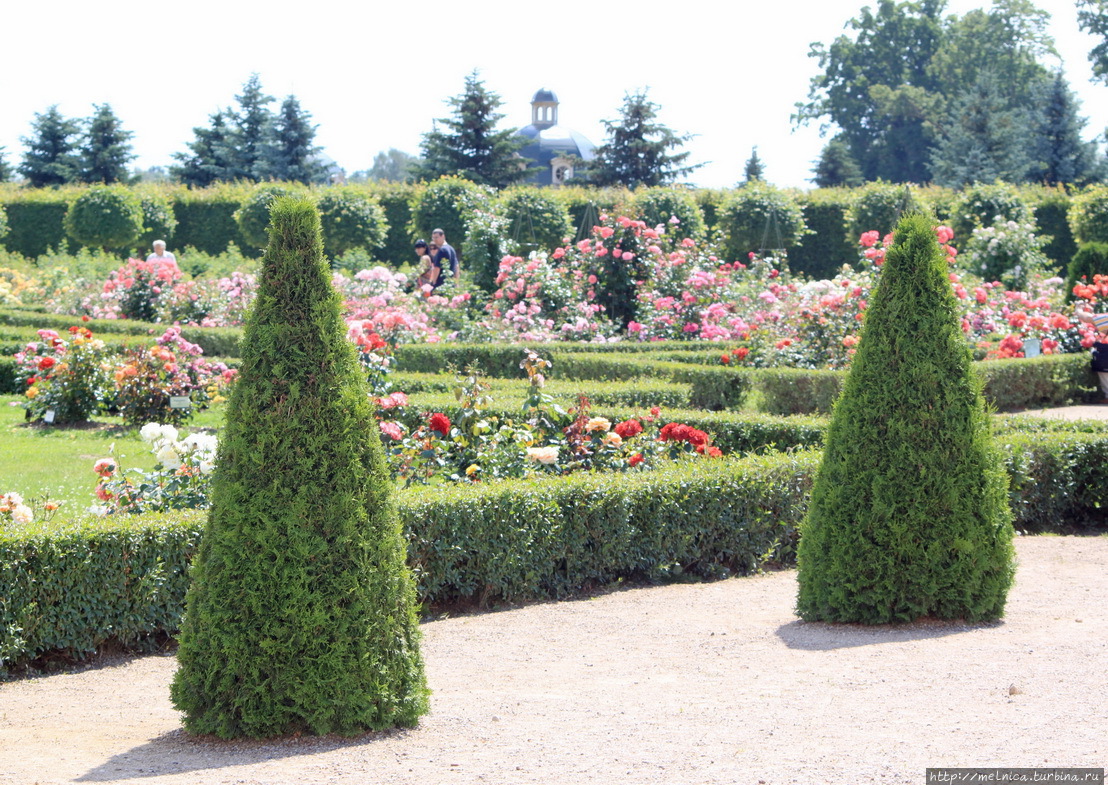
x=74, y=585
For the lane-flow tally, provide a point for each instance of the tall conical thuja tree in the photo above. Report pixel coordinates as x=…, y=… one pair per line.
x=909, y=512
x=301, y=612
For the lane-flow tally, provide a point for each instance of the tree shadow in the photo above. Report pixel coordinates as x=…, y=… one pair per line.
x=176, y=752
x=827, y=636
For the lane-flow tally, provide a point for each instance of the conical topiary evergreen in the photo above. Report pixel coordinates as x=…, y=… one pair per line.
x=301, y=613
x=909, y=513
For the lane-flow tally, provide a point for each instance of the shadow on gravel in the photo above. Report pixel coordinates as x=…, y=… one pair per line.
x=176, y=752
x=823, y=636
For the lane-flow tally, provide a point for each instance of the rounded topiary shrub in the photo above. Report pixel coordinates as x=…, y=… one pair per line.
x=1090, y=260
x=301, y=613
x=986, y=205
x=877, y=207
x=909, y=510
x=661, y=205
x=351, y=218
x=536, y=219
x=158, y=220
x=252, y=217
x=105, y=216
x=1088, y=215
x=757, y=218
x=444, y=204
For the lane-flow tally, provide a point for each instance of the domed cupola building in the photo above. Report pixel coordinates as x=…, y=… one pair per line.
x=551, y=144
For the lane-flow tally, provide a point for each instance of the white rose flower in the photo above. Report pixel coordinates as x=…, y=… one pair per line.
x=168, y=457
x=545, y=455
x=21, y=513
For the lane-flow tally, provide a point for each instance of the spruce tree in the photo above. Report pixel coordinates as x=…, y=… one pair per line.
x=51, y=157
x=637, y=150
x=909, y=512
x=106, y=148
x=293, y=156
x=211, y=154
x=301, y=612
x=252, y=135
x=6, y=171
x=471, y=147
x=836, y=166
x=754, y=170
x=1060, y=155
x=985, y=139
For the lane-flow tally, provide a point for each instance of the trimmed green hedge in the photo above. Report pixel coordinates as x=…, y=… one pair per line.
x=35, y=220
x=214, y=341
x=72, y=587
x=124, y=577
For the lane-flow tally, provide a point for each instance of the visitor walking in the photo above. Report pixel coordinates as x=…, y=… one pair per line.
x=161, y=254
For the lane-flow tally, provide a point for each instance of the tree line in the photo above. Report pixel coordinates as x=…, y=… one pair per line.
x=911, y=94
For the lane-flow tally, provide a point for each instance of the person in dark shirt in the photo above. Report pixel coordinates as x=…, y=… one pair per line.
x=446, y=253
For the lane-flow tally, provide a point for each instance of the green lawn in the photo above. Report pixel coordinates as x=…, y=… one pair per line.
x=41, y=459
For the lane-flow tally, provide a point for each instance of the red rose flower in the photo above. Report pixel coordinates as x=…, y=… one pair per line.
x=695, y=437
x=635, y=459
x=628, y=428
x=46, y=363
x=440, y=423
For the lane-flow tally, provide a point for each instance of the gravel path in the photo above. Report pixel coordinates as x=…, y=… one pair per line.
x=699, y=683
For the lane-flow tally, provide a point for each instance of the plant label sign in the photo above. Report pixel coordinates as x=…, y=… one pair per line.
x=49, y=416
x=179, y=402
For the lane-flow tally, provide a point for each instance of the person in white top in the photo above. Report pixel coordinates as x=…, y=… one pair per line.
x=160, y=253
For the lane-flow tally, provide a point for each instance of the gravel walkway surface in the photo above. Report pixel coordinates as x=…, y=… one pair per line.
x=697, y=683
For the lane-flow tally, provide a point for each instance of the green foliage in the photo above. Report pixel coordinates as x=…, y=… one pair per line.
x=877, y=207
x=445, y=204
x=472, y=147
x=351, y=218
x=1050, y=210
x=71, y=588
x=211, y=154
x=485, y=244
x=982, y=204
x=292, y=156
x=754, y=168
x=657, y=206
x=984, y=140
x=394, y=166
x=537, y=220
x=108, y=216
x=106, y=149
x=52, y=157
x=1092, y=18
x=158, y=221
x=1061, y=156
x=78, y=582
x=836, y=166
x=396, y=200
x=253, y=217
x=1091, y=259
x=760, y=217
x=1088, y=215
x=637, y=150
x=909, y=513
x=828, y=247
x=301, y=614
x=788, y=391
x=206, y=218
x=3, y=221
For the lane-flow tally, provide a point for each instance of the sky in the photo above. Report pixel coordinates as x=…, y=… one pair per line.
x=375, y=75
